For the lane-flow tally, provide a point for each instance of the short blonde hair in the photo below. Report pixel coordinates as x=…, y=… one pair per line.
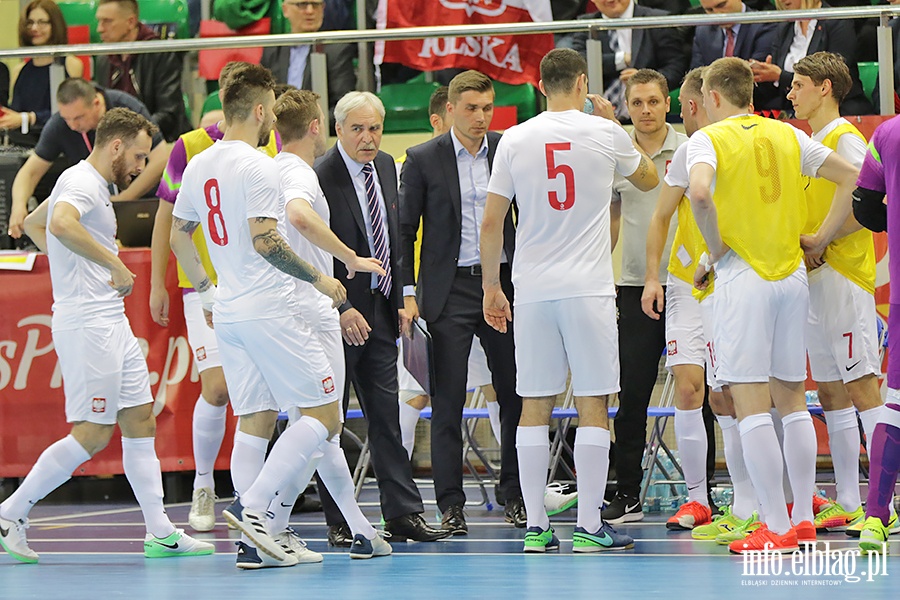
x=732, y=78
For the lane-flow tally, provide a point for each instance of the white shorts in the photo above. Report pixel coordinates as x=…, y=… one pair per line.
x=333, y=346
x=707, y=308
x=103, y=370
x=574, y=333
x=842, y=335
x=201, y=337
x=760, y=329
x=685, y=344
x=478, y=372
x=274, y=364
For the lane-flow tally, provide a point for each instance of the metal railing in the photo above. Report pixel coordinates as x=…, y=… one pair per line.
x=883, y=13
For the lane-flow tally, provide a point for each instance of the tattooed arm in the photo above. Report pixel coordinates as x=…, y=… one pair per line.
x=645, y=177
x=277, y=252
x=186, y=253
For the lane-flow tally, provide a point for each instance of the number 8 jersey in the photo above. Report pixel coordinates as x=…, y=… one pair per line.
x=759, y=197
x=560, y=167
x=222, y=188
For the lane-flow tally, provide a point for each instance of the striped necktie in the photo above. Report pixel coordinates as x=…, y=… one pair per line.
x=379, y=235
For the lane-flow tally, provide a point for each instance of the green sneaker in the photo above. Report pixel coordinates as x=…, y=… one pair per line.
x=539, y=540
x=743, y=529
x=177, y=544
x=856, y=528
x=724, y=523
x=556, y=500
x=873, y=537
x=837, y=518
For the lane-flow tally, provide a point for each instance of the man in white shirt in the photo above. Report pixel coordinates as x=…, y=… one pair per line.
x=304, y=135
x=560, y=167
x=271, y=359
x=104, y=371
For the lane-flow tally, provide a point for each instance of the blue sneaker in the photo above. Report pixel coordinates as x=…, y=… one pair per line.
x=253, y=525
x=539, y=540
x=605, y=538
x=363, y=548
x=249, y=558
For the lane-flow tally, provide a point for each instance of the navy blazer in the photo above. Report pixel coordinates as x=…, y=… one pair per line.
x=658, y=49
x=832, y=35
x=348, y=224
x=429, y=191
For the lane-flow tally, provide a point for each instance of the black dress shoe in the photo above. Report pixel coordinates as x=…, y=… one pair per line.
x=454, y=520
x=340, y=535
x=515, y=512
x=413, y=527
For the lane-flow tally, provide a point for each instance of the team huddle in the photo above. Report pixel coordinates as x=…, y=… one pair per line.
x=767, y=264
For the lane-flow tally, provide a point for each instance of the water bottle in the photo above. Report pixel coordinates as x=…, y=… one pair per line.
x=588, y=107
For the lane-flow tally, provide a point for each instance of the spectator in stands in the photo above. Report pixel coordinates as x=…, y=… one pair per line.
x=794, y=40
x=41, y=24
x=291, y=64
x=627, y=50
x=71, y=132
x=747, y=41
x=154, y=78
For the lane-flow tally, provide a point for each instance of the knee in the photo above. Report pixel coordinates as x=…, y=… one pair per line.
x=720, y=404
x=92, y=437
x=214, y=391
x=688, y=393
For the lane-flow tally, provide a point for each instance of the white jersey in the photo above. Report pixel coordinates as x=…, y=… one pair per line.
x=82, y=296
x=560, y=167
x=299, y=183
x=851, y=148
x=222, y=188
x=677, y=174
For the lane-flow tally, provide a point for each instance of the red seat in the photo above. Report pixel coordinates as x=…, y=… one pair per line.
x=81, y=34
x=212, y=61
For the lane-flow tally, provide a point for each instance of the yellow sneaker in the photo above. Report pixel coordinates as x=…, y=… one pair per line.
x=724, y=523
x=738, y=533
x=855, y=529
x=837, y=518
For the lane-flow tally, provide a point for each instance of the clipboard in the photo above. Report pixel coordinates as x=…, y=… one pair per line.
x=418, y=356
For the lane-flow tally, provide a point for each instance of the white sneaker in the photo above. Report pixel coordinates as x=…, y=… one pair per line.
x=176, y=544
x=365, y=548
x=556, y=500
x=249, y=558
x=203, y=510
x=253, y=525
x=291, y=539
x=12, y=538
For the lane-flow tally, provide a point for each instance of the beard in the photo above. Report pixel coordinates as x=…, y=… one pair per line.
x=121, y=177
x=265, y=131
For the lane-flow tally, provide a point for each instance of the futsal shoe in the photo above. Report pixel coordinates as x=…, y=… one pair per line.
x=249, y=558
x=874, y=536
x=689, y=515
x=855, y=529
x=363, y=548
x=820, y=504
x=291, y=539
x=556, y=500
x=12, y=538
x=806, y=532
x=836, y=518
x=727, y=522
x=540, y=540
x=623, y=509
x=253, y=525
x=178, y=543
x=740, y=533
x=605, y=538
x=203, y=506
x=766, y=539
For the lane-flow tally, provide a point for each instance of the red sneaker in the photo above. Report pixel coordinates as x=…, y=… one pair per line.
x=820, y=504
x=690, y=515
x=765, y=539
x=806, y=532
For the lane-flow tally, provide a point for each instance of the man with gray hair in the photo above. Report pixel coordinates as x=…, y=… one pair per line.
x=360, y=185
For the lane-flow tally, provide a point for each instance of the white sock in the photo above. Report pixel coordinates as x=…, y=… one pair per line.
x=494, y=416
x=409, y=418
x=247, y=458
x=690, y=436
x=53, y=468
x=800, y=458
x=286, y=461
x=744, y=502
x=145, y=477
x=283, y=503
x=533, y=449
x=843, y=436
x=592, y=467
x=779, y=431
x=869, y=420
x=208, y=430
x=336, y=476
x=765, y=464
